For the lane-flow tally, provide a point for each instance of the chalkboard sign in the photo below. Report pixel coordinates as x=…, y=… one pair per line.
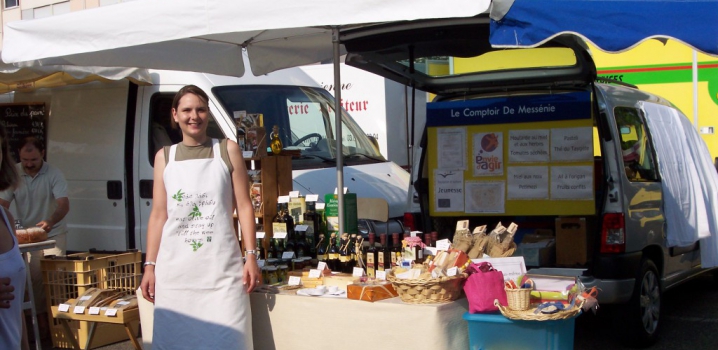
x=22, y=120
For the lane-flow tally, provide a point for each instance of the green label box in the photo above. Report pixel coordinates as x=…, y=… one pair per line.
x=331, y=210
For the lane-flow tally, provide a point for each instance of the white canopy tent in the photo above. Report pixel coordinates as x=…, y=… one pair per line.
x=210, y=35
x=13, y=78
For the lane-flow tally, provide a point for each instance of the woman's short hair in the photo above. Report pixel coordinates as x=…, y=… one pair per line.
x=8, y=171
x=187, y=89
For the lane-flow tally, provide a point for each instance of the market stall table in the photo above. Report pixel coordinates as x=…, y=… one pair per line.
x=30, y=304
x=287, y=321
x=128, y=318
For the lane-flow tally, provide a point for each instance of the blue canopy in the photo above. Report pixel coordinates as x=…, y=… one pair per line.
x=612, y=25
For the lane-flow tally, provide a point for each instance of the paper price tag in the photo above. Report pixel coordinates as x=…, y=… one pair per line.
x=288, y=255
x=120, y=303
x=94, y=310
x=261, y=234
x=283, y=199
x=345, y=190
x=315, y=273
x=280, y=235
x=452, y=271
x=260, y=263
x=79, y=310
x=321, y=266
x=294, y=194
x=294, y=280
x=301, y=228
x=85, y=297
x=414, y=233
x=311, y=198
x=248, y=154
x=443, y=244
x=358, y=272
x=111, y=312
x=320, y=206
x=381, y=275
x=63, y=308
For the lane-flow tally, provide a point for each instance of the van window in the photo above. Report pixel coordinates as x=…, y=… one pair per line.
x=636, y=147
x=305, y=119
x=162, y=132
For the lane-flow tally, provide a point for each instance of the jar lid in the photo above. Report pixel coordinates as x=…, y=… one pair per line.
x=271, y=268
x=282, y=267
x=297, y=260
x=272, y=260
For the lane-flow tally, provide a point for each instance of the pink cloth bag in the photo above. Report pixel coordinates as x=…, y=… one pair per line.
x=484, y=285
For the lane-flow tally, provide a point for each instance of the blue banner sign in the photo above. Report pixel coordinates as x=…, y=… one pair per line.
x=514, y=109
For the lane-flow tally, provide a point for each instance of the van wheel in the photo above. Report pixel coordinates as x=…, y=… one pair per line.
x=641, y=317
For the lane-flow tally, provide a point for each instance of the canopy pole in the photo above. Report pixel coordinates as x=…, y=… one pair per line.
x=695, y=90
x=338, y=126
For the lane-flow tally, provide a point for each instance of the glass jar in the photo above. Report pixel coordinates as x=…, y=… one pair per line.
x=272, y=262
x=297, y=264
x=272, y=277
x=282, y=272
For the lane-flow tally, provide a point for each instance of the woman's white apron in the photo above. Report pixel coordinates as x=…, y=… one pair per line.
x=200, y=301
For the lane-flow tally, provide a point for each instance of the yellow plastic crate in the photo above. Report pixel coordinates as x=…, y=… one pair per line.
x=70, y=276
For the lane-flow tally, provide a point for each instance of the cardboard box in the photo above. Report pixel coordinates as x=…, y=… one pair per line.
x=371, y=292
x=571, y=241
x=538, y=248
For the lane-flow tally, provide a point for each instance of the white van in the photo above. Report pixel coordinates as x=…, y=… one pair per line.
x=103, y=136
x=529, y=136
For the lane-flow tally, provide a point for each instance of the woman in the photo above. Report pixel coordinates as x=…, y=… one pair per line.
x=194, y=272
x=12, y=265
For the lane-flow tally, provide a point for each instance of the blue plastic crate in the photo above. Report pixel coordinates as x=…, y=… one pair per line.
x=496, y=332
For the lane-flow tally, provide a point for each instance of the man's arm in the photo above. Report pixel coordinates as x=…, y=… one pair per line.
x=63, y=207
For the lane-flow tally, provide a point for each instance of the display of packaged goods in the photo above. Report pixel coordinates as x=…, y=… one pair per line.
x=372, y=291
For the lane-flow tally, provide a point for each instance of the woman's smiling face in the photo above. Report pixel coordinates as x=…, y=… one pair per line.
x=191, y=115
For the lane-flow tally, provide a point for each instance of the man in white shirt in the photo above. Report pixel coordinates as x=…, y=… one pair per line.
x=40, y=201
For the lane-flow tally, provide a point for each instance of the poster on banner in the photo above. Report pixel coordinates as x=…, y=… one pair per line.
x=572, y=182
x=488, y=154
x=484, y=197
x=572, y=144
x=527, y=182
x=528, y=146
x=451, y=148
x=449, y=190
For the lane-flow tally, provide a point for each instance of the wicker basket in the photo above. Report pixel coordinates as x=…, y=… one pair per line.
x=518, y=299
x=529, y=315
x=428, y=291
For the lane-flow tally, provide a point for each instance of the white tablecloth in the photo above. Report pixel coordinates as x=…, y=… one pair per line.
x=282, y=321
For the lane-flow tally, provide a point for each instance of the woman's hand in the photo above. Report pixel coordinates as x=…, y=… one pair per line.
x=6, y=294
x=148, y=284
x=251, y=276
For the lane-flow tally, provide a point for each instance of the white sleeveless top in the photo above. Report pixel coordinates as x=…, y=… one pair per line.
x=12, y=265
